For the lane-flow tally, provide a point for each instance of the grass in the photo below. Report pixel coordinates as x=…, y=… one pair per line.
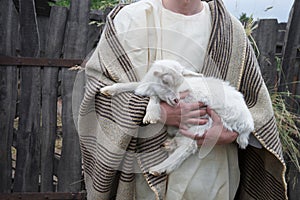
x=287, y=124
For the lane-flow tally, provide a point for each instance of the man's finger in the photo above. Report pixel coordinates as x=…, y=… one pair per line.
x=196, y=121
x=186, y=107
x=214, y=116
x=196, y=113
x=187, y=133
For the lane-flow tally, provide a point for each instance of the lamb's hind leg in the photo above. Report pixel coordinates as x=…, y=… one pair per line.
x=175, y=159
x=118, y=88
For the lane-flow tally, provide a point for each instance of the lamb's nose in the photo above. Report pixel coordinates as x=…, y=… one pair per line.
x=176, y=101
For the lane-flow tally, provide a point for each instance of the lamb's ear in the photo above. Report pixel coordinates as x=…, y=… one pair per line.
x=186, y=72
x=157, y=73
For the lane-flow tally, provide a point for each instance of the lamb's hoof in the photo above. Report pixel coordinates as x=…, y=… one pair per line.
x=108, y=91
x=149, y=118
x=169, y=145
x=154, y=173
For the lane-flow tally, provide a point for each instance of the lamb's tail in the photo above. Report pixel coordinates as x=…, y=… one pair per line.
x=243, y=140
x=175, y=159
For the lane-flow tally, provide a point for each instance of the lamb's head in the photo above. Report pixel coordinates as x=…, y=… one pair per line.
x=168, y=75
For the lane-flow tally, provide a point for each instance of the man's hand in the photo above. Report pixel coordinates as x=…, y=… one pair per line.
x=217, y=134
x=183, y=114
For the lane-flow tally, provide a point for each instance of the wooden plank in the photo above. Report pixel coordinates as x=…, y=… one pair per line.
x=280, y=39
x=28, y=140
x=43, y=196
x=266, y=39
x=29, y=61
x=95, y=29
x=69, y=169
x=290, y=67
x=42, y=6
x=54, y=45
x=43, y=22
x=8, y=91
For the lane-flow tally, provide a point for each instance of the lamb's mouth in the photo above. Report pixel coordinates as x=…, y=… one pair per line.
x=173, y=101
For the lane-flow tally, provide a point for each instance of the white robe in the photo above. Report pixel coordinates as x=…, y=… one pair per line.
x=185, y=39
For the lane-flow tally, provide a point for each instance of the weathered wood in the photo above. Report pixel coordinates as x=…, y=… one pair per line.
x=28, y=141
x=43, y=22
x=33, y=62
x=69, y=169
x=266, y=38
x=8, y=91
x=280, y=40
x=44, y=196
x=95, y=28
x=42, y=6
x=54, y=45
x=290, y=62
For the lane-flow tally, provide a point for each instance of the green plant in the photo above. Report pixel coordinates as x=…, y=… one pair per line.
x=102, y=4
x=64, y=3
x=287, y=124
x=249, y=26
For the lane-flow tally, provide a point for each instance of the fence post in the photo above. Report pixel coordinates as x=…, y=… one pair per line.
x=291, y=52
x=54, y=45
x=8, y=91
x=69, y=169
x=28, y=137
x=266, y=38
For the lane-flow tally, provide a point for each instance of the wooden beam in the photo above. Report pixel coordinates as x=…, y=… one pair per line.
x=28, y=61
x=43, y=196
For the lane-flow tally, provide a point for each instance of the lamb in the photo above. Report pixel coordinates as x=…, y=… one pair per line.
x=164, y=82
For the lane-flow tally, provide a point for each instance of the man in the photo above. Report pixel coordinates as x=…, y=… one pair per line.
x=207, y=39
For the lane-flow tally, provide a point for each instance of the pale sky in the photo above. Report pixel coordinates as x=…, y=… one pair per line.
x=278, y=9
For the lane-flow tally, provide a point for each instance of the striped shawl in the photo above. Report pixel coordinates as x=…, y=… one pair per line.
x=109, y=128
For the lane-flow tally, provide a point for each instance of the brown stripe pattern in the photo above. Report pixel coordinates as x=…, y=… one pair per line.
x=100, y=163
x=255, y=180
x=88, y=103
x=127, y=173
x=125, y=110
x=251, y=81
x=219, y=48
x=150, y=154
x=117, y=48
x=272, y=143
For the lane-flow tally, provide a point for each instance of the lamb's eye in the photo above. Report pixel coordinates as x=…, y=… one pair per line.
x=165, y=82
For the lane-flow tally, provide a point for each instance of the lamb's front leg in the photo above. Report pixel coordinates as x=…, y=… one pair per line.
x=152, y=115
x=118, y=88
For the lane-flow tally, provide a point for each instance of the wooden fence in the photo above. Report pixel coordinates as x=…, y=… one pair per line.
x=35, y=155
x=32, y=158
